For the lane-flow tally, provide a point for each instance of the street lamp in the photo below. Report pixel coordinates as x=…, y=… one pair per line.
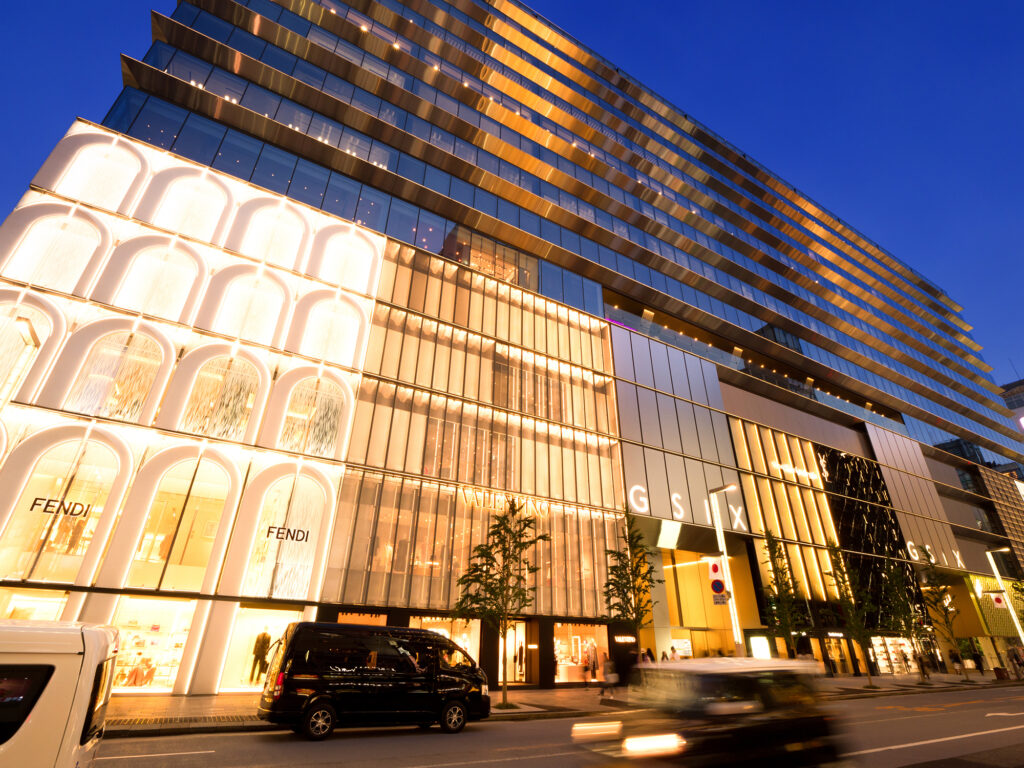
x=716, y=517
x=1002, y=588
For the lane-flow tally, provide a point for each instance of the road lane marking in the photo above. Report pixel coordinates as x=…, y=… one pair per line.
x=1004, y=714
x=158, y=754
x=933, y=741
x=498, y=760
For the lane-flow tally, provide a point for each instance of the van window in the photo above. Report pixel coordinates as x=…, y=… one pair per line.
x=97, y=714
x=452, y=657
x=319, y=652
x=20, y=688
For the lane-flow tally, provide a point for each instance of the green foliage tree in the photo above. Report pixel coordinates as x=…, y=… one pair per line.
x=786, y=613
x=495, y=586
x=855, y=603
x=939, y=602
x=627, y=590
x=901, y=609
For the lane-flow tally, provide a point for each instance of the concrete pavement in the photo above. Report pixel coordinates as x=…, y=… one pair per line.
x=130, y=715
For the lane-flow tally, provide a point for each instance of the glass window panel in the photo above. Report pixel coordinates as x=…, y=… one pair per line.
x=237, y=154
x=199, y=139
x=274, y=169
x=116, y=377
x=314, y=418
x=222, y=399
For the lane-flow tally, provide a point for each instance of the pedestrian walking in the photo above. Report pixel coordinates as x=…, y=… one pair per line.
x=611, y=677
x=958, y=662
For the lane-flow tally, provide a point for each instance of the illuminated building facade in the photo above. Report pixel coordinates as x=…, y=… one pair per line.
x=332, y=281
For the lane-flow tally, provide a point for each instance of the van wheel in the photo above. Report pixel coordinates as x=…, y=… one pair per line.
x=318, y=721
x=453, y=717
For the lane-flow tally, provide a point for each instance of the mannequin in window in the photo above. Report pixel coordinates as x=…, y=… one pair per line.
x=259, y=656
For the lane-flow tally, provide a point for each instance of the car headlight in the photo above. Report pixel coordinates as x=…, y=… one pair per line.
x=661, y=745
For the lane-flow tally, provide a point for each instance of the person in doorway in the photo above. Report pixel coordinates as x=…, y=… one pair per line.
x=592, y=662
x=259, y=656
x=521, y=661
x=979, y=661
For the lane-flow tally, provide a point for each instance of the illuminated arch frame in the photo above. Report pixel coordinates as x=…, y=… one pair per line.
x=120, y=262
x=162, y=181
x=304, y=308
x=328, y=233
x=47, y=349
x=180, y=388
x=76, y=351
x=281, y=395
x=248, y=211
x=221, y=281
x=70, y=148
x=22, y=461
x=21, y=221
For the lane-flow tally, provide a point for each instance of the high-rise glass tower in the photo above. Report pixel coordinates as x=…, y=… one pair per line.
x=332, y=282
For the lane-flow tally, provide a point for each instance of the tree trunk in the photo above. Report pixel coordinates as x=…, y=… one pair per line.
x=504, y=664
x=867, y=660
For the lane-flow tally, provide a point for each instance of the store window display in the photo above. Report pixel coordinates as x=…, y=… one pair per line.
x=57, y=514
x=253, y=637
x=579, y=651
x=153, y=633
x=34, y=605
x=281, y=563
x=514, y=655
x=178, y=537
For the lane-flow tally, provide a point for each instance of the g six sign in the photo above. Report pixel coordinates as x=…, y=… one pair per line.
x=641, y=502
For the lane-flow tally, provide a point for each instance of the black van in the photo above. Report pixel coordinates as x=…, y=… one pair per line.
x=324, y=674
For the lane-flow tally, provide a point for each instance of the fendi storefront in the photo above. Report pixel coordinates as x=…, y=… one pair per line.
x=223, y=410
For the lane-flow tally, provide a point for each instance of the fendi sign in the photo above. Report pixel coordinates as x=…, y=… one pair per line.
x=60, y=507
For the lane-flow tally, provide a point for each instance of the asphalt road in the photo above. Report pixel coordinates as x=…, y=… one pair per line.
x=879, y=732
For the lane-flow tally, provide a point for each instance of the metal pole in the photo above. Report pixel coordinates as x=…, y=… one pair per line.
x=716, y=517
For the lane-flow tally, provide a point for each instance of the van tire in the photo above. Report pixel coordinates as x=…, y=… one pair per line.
x=453, y=717
x=318, y=721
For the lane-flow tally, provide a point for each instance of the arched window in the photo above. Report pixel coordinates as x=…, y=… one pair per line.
x=274, y=234
x=251, y=309
x=158, y=282
x=181, y=527
x=281, y=562
x=333, y=332
x=222, y=399
x=100, y=174
x=193, y=206
x=22, y=329
x=314, y=418
x=348, y=260
x=57, y=514
x=116, y=377
x=54, y=252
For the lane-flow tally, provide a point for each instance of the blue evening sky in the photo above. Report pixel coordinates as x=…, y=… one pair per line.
x=903, y=117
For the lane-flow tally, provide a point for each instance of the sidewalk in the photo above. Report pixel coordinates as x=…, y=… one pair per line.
x=163, y=715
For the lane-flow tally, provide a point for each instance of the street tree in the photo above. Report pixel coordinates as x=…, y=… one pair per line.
x=630, y=581
x=941, y=607
x=901, y=608
x=855, y=603
x=495, y=585
x=786, y=614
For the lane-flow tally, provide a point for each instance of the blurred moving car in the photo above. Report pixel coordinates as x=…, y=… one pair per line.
x=323, y=675
x=719, y=711
x=55, y=680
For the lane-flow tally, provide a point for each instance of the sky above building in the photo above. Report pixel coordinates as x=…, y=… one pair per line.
x=902, y=118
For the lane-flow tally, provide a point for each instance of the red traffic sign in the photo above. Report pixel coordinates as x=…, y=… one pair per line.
x=717, y=586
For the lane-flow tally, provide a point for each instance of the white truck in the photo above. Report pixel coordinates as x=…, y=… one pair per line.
x=55, y=680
